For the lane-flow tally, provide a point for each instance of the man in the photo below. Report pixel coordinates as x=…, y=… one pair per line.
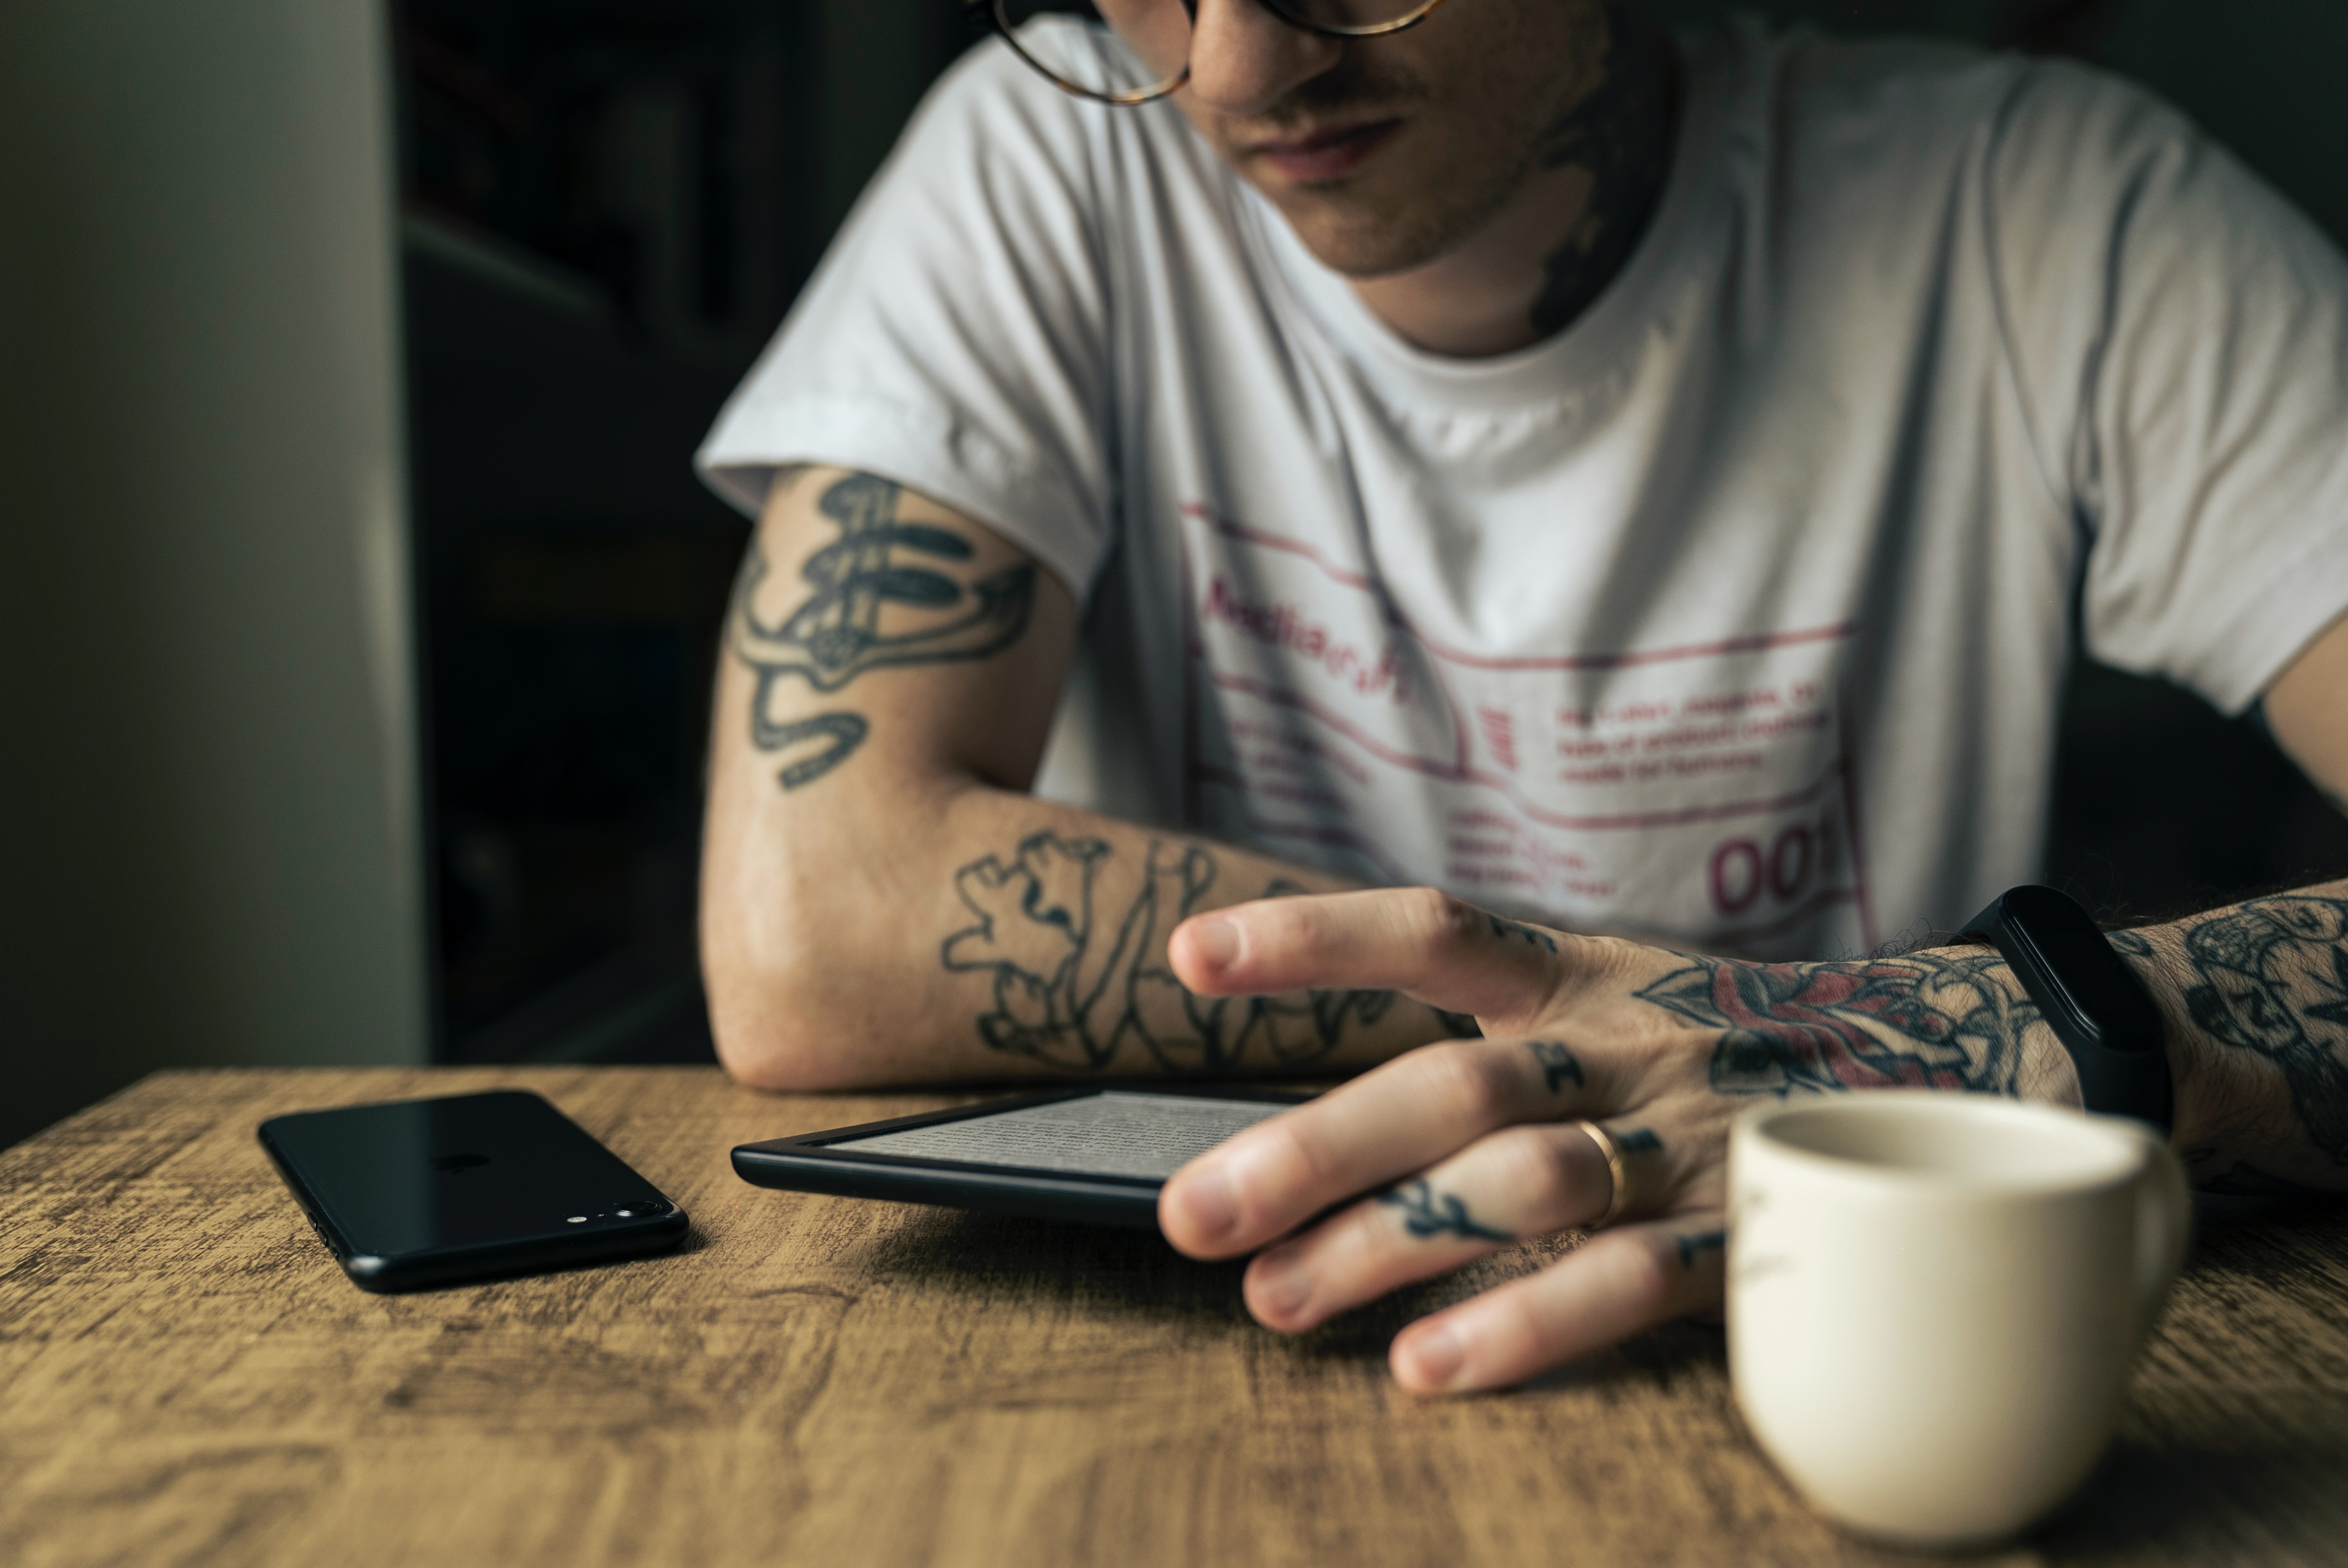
x=1633, y=486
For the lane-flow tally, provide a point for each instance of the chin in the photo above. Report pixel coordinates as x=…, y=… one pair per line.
x=1364, y=238
x=1393, y=219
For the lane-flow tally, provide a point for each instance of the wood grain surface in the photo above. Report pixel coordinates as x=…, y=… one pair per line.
x=186, y=1378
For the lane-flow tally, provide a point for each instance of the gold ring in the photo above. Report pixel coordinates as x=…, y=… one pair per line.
x=1618, y=1198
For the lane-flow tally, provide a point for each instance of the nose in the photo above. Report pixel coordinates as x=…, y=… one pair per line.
x=1244, y=59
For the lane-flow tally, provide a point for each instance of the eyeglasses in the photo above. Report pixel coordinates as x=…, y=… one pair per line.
x=1145, y=51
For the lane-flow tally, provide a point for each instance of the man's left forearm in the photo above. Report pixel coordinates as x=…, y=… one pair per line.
x=2255, y=996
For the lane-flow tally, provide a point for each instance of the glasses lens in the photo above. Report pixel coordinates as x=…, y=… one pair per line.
x=1139, y=55
x=1357, y=16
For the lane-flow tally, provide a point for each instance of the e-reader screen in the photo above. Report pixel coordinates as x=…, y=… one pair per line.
x=1107, y=1135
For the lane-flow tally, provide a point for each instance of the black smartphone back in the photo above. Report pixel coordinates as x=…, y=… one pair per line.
x=424, y=1192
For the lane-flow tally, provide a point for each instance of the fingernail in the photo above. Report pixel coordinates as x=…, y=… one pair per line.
x=1209, y=1203
x=1281, y=1284
x=1215, y=941
x=1436, y=1356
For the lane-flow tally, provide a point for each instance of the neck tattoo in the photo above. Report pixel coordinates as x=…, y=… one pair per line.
x=1623, y=133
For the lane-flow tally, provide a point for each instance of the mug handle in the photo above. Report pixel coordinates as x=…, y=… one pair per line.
x=2164, y=1223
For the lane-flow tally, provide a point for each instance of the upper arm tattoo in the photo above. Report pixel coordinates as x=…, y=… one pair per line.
x=1927, y=1020
x=882, y=595
x=1073, y=983
x=846, y=731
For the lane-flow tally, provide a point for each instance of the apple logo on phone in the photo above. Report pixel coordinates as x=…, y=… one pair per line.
x=458, y=1164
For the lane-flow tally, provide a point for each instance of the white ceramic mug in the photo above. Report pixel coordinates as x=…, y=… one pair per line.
x=1934, y=1300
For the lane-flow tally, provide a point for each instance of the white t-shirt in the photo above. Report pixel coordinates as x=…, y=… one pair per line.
x=1736, y=613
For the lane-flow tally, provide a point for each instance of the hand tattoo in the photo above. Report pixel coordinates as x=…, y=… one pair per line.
x=1427, y=1212
x=1071, y=989
x=1927, y=1020
x=1558, y=1064
x=1639, y=1141
x=2272, y=977
x=836, y=633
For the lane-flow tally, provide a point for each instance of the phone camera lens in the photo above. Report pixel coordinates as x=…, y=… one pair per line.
x=651, y=1207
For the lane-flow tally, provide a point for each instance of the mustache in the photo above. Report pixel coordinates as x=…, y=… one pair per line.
x=1351, y=92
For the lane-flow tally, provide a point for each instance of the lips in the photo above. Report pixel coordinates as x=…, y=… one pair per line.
x=1325, y=155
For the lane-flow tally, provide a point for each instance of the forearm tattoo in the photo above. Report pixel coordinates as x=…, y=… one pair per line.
x=1926, y=1020
x=883, y=595
x=2271, y=976
x=1074, y=983
x=1427, y=1212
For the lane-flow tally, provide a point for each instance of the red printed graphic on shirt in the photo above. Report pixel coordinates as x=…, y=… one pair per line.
x=1699, y=789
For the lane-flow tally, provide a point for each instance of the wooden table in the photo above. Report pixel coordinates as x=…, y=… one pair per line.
x=186, y=1378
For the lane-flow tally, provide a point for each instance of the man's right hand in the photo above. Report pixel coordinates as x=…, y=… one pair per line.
x=1458, y=1149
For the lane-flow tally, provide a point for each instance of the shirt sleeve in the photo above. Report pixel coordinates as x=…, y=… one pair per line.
x=2177, y=333
x=953, y=340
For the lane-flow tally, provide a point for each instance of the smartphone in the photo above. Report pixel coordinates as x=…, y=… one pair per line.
x=1094, y=1155
x=426, y=1191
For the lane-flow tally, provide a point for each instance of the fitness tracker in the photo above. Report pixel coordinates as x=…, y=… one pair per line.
x=2090, y=998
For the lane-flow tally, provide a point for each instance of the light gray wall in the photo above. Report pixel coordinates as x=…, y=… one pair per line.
x=207, y=793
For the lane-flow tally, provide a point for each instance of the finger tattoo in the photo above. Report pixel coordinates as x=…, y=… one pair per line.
x=1692, y=1247
x=1506, y=930
x=1427, y=1212
x=1558, y=1064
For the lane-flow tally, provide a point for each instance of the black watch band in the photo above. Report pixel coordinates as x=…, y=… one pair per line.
x=2090, y=998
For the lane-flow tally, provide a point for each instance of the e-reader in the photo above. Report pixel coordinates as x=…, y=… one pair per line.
x=1094, y=1155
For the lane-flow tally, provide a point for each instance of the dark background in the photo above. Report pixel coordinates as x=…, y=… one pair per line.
x=607, y=207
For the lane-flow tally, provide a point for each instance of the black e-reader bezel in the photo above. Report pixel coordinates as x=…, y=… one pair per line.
x=808, y=1162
